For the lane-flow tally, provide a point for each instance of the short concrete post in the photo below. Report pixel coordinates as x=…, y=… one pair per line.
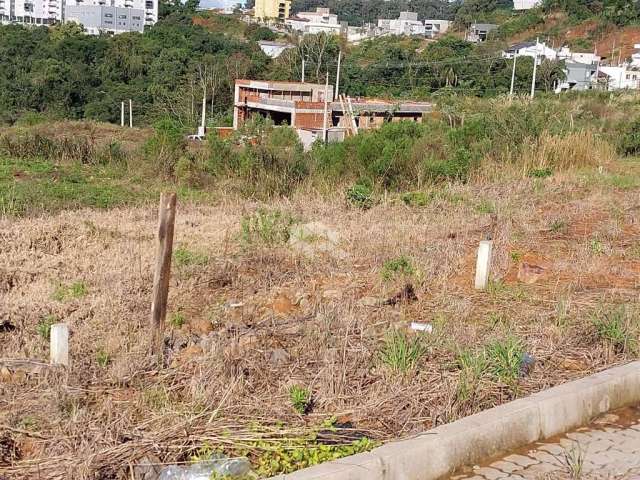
x=59, y=344
x=483, y=264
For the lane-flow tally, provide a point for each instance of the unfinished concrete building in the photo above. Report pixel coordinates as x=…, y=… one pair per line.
x=303, y=106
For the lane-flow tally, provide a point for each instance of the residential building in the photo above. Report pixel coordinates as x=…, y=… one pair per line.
x=310, y=108
x=525, y=4
x=578, y=76
x=588, y=58
x=274, y=49
x=531, y=49
x=479, y=32
x=620, y=78
x=31, y=12
x=98, y=19
x=272, y=9
x=320, y=21
x=434, y=28
x=406, y=24
x=93, y=13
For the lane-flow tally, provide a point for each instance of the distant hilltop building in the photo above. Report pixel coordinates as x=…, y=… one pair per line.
x=525, y=4
x=406, y=24
x=96, y=16
x=433, y=28
x=479, y=32
x=272, y=9
x=320, y=21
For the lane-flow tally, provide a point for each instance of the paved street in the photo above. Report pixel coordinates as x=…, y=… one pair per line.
x=609, y=448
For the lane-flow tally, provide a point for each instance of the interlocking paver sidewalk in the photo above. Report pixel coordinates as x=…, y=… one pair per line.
x=609, y=448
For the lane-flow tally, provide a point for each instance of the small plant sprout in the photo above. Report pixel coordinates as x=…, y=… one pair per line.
x=505, y=359
x=596, y=246
x=574, y=459
x=401, y=353
x=66, y=292
x=102, y=358
x=177, y=319
x=558, y=226
x=300, y=399
x=44, y=326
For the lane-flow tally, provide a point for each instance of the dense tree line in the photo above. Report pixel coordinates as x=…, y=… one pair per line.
x=61, y=72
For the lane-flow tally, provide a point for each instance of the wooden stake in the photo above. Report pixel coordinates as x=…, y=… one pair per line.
x=166, y=220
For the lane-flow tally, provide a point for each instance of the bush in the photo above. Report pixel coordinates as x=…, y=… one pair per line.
x=400, y=353
x=360, y=195
x=266, y=227
x=630, y=139
x=166, y=146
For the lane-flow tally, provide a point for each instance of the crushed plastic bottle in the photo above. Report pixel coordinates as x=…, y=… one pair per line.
x=219, y=464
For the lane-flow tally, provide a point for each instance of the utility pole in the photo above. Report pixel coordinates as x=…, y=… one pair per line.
x=335, y=94
x=533, y=78
x=130, y=113
x=201, y=130
x=326, y=110
x=302, y=69
x=513, y=75
x=122, y=114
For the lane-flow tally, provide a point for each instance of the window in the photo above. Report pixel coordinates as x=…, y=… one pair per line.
x=136, y=17
x=108, y=22
x=122, y=17
x=108, y=15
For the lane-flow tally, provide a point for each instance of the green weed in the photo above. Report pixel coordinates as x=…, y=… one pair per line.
x=300, y=399
x=558, y=226
x=504, y=358
x=515, y=256
x=67, y=292
x=400, y=266
x=401, y=353
x=360, y=195
x=596, y=246
x=417, y=199
x=184, y=257
x=177, y=319
x=618, y=328
x=485, y=206
x=102, y=358
x=44, y=326
x=541, y=172
x=269, y=227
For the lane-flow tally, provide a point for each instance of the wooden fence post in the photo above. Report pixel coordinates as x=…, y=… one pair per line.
x=166, y=220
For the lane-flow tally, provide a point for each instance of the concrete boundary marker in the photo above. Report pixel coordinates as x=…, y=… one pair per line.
x=436, y=453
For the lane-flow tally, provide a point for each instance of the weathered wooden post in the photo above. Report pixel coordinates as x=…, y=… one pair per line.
x=166, y=220
x=59, y=346
x=483, y=265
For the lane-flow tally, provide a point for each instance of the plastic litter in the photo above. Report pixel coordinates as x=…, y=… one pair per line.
x=422, y=327
x=526, y=364
x=219, y=465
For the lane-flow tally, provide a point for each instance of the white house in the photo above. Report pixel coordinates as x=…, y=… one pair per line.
x=621, y=77
x=406, y=24
x=565, y=53
x=531, y=49
x=320, y=21
x=433, y=28
x=525, y=4
x=274, y=49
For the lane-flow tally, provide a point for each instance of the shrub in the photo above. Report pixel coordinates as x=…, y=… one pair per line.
x=630, y=139
x=184, y=257
x=166, y=145
x=417, y=199
x=360, y=195
x=177, y=319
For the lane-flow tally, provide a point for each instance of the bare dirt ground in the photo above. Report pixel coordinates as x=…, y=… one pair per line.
x=249, y=320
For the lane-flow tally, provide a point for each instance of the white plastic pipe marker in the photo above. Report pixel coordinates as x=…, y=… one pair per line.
x=60, y=344
x=483, y=264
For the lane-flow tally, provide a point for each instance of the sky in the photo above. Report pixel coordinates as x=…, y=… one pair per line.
x=219, y=3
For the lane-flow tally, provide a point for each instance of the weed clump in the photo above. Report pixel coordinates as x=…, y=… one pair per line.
x=267, y=227
x=401, y=353
x=67, y=292
x=300, y=398
x=360, y=195
x=619, y=329
x=44, y=326
x=184, y=257
x=400, y=266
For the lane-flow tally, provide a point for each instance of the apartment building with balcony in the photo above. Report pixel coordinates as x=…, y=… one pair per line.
x=271, y=9
x=95, y=15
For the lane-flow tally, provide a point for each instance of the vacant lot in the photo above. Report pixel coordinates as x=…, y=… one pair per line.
x=289, y=322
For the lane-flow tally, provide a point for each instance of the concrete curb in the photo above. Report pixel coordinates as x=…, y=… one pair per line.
x=438, y=452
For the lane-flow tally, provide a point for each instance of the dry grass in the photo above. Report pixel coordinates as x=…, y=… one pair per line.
x=115, y=406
